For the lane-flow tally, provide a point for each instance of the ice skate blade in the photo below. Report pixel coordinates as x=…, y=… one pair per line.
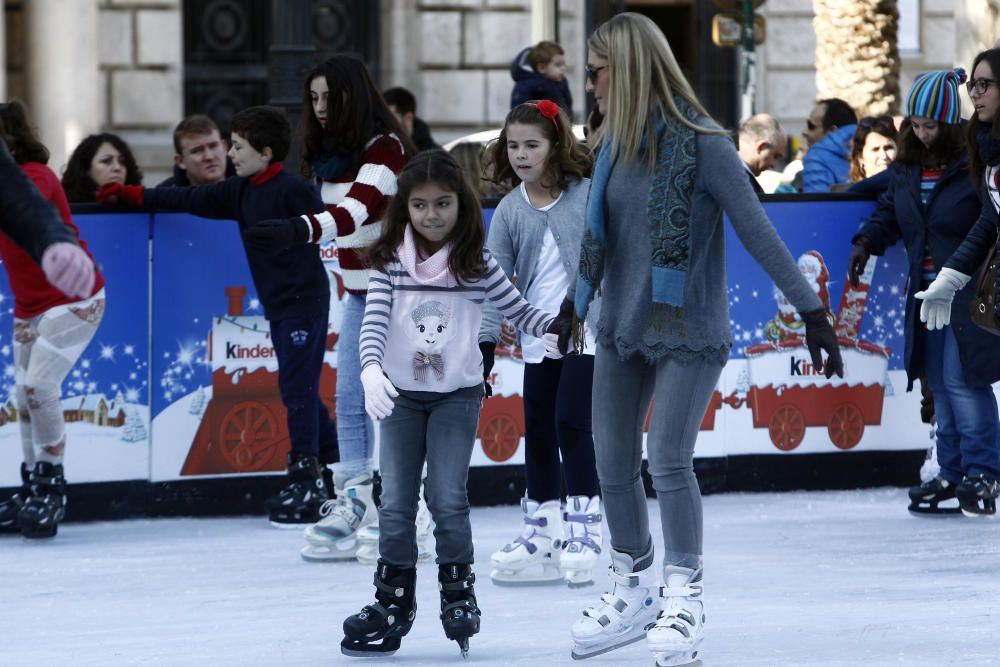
x=519, y=583
x=579, y=653
x=38, y=535
x=284, y=525
x=687, y=663
x=313, y=555
x=579, y=584
x=929, y=513
x=366, y=654
x=978, y=514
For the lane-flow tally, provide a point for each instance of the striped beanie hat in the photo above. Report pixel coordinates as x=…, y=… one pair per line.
x=935, y=95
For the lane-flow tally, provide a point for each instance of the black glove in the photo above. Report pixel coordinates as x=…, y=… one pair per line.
x=926, y=402
x=489, y=357
x=820, y=336
x=860, y=252
x=274, y=236
x=562, y=325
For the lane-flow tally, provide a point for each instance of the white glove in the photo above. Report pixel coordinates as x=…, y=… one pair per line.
x=551, y=341
x=379, y=392
x=936, y=307
x=68, y=268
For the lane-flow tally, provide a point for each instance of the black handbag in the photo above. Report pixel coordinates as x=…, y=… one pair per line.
x=983, y=308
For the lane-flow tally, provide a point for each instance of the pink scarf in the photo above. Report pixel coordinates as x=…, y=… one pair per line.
x=432, y=271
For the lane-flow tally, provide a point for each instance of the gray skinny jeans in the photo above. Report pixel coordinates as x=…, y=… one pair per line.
x=440, y=428
x=622, y=392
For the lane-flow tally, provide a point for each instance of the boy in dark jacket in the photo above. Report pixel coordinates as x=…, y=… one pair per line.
x=292, y=286
x=539, y=73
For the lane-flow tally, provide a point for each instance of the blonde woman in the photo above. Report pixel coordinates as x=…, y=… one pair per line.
x=654, y=244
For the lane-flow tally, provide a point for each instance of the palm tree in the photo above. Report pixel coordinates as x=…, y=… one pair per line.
x=856, y=55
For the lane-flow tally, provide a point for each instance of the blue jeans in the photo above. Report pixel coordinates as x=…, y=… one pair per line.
x=441, y=429
x=355, y=431
x=968, y=428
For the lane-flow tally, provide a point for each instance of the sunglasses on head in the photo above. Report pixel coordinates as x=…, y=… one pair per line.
x=592, y=72
x=875, y=121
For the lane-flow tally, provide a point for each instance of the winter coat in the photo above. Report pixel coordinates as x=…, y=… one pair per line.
x=530, y=85
x=828, y=161
x=941, y=226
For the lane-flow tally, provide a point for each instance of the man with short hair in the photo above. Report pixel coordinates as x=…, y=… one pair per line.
x=828, y=133
x=403, y=106
x=199, y=154
x=762, y=144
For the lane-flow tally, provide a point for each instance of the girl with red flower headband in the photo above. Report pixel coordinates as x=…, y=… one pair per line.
x=535, y=234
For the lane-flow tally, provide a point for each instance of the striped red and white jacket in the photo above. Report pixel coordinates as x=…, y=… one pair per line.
x=357, y=202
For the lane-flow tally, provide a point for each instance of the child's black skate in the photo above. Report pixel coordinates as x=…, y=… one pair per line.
x=459, y=611
x=299, y=502
x=10, y=508
x=388, y=619
x=926, y=498
x=977, y=495
x=46, y=507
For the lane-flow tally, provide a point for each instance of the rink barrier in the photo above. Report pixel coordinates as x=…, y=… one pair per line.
x=180, y=373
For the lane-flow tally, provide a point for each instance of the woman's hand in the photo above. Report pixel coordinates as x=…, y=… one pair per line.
x=820, y=336
x=936, y=307
x=860, y=253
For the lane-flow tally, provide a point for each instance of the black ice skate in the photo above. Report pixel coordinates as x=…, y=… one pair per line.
x=388, y=619
x=46, y=507
x=977, y=495
x=459, y=611
x=299, y=502
x=926, y=498
x=10, y=508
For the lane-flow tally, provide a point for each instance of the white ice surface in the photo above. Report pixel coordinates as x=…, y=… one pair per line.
x=812, y=579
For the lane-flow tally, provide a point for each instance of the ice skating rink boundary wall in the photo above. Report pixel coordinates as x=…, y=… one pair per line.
x=173, y=408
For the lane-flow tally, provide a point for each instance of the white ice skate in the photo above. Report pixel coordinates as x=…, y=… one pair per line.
x=623, y=614
x=680, y=628
x=532, y=558
x=583, y=540
x=335, y=536
x=368, y=554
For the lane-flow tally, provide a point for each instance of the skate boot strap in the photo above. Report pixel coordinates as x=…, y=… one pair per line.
x=467, y=605
x=541, y=521
x=524, y=542
x=629, y=579
x=460, y=585
x=582, y=518
x=689, y=591
x=680, y=620
x=392, y=591
x=615, y=603
x=572, y=544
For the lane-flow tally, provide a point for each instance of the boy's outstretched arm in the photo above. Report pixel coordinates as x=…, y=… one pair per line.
x=219, y=201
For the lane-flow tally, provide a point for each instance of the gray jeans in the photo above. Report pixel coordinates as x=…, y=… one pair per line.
x=622, y=392
x=441, y=429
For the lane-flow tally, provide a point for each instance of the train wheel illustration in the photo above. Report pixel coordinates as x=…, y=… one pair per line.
x=787, y=428
x=500, y=437
x=846, y=426
x=249, y=435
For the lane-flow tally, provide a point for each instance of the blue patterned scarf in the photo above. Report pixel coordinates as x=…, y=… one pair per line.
x=329, y=166
x=668, y=214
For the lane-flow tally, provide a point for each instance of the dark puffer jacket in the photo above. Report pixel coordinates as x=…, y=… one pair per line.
x=530, y=85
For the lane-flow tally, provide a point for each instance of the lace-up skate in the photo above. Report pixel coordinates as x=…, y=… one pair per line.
x=977, y=496
x=335, y=535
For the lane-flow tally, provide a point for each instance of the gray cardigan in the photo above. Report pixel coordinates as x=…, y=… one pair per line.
x=516, y=234
x=721, y=185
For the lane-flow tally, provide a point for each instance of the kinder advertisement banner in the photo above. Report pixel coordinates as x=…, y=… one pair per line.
x=105, y=398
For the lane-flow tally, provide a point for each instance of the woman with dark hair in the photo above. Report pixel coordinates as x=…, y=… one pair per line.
x=974, y=464
x=873, y=148
x=930, y=204
x=51, y=331
x=99, y=159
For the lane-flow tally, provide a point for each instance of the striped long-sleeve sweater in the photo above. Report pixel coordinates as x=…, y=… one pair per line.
x=425, y=336
x=357, y=201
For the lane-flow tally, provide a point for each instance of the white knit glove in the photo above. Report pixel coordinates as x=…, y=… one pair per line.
x=936, y=307
x=68, y=268
x=551, y=341
x=379, y=392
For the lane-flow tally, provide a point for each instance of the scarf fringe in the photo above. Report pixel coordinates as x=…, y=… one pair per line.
x=666, y=319
x=578, y=333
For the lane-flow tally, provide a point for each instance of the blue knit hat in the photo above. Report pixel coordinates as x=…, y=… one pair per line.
x=935, y=95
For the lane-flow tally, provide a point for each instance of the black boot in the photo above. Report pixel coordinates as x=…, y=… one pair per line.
x=977, y=496
x=388, y=619
x=459, y=612
x=10, y=508
x=299, y=502
x=924, y=498
x=46, y=507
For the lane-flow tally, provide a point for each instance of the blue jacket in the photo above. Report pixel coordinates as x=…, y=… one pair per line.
x=530, y=85
x=941, y=227
x=828, y=161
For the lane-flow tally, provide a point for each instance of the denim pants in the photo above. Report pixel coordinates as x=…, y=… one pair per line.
x=299, y=343
x=355, y=430
x=557, y=407
x=968, y=429
x=622, y=393
x=441, y=429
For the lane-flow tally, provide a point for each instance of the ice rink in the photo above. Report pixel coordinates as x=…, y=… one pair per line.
x=804, y=578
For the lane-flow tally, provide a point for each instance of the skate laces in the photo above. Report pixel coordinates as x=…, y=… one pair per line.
x=345, y=507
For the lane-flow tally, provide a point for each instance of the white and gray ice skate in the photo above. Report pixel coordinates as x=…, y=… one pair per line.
x=532, y=558
x=368, y=553
x=680, y=628
x=582, y=546
x=623, y=614
x=335, y=536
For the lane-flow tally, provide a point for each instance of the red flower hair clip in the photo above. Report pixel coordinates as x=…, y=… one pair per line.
x=549, y=109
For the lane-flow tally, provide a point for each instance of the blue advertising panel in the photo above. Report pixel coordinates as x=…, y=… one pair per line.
x=106, y=395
